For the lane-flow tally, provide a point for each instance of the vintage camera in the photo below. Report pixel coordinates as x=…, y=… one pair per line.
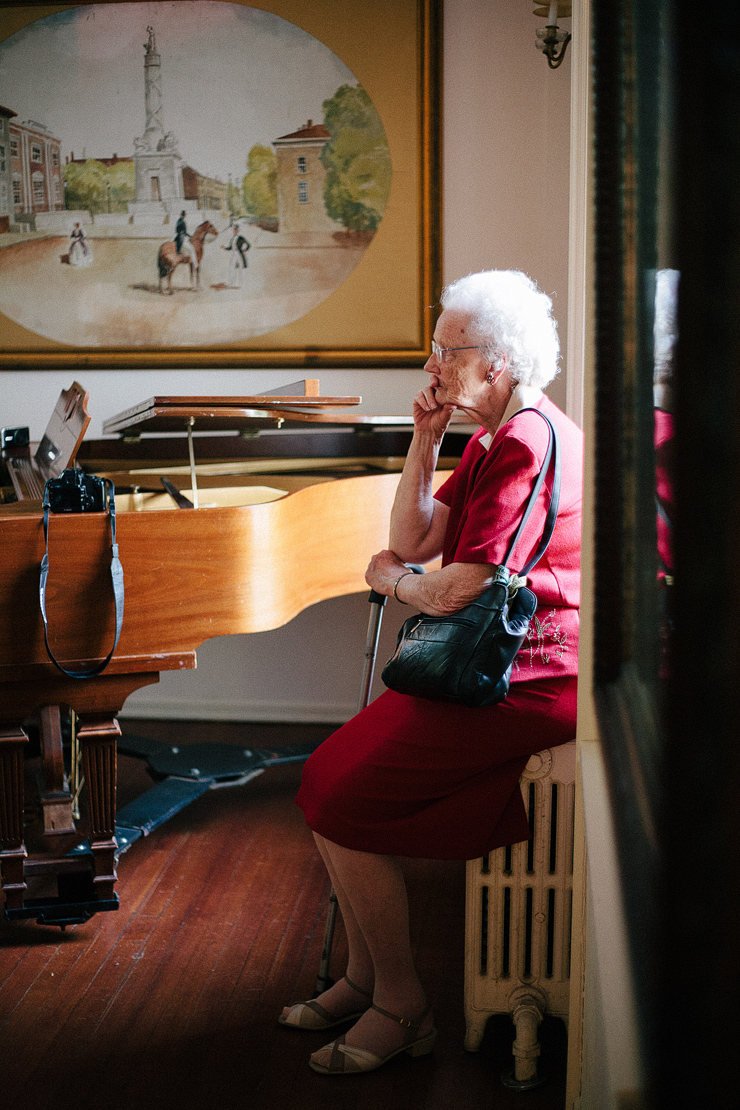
x=76, y=492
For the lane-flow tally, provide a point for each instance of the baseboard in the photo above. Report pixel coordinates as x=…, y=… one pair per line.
x=175, y=709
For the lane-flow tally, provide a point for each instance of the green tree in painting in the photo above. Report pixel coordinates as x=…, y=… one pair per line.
x=95, y=187
x=259, y=185
x=122, y=178
x=234, y=200
x=357, y=160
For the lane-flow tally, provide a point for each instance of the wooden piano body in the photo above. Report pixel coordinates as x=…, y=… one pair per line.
x=284, y=520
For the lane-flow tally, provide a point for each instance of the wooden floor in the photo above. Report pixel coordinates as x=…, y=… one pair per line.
x=171, y=1002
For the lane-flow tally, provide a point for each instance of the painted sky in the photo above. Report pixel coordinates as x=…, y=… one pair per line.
x=232, y=76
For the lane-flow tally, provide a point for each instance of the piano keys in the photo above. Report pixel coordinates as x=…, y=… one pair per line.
x=293, y=496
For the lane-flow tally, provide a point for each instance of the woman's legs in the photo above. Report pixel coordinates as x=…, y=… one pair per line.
x=372, y=895
x=341, y=998
x=359, y=963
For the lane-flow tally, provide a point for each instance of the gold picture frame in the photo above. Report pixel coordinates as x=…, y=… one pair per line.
x=383, y=313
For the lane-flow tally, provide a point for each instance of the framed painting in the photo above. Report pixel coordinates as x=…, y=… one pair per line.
x=207, y=183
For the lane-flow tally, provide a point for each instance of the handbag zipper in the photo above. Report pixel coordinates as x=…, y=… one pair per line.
x=451, y=619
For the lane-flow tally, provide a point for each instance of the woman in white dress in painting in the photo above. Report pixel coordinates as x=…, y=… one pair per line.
x=80, y=253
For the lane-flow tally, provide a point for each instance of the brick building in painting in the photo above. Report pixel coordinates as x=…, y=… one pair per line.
x=300, y=180
x=6, y=180
x=36, y=169
x=207, y=192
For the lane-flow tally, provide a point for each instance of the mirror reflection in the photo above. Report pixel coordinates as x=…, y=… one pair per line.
x=665, y=334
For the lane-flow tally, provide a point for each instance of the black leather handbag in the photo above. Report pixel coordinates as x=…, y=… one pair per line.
x=467, y=656
x=76, y=492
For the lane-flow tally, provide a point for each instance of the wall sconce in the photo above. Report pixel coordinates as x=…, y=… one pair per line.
x=549, y=38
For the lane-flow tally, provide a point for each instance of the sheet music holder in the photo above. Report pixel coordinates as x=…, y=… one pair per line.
x=297, y=405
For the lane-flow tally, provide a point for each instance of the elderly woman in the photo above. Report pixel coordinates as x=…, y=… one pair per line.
x=410, y=776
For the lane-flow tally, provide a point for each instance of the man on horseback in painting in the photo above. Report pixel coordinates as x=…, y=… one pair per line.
x=183, y=245
x=190, y=251
x=181, y=232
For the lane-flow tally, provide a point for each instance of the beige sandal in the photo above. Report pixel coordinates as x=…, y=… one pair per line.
x=312, y=1015
x=347, y=1059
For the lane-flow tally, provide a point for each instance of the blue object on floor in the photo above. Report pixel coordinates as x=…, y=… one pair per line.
x=152, y=809
x=185, y=773
x=125, y=837
x=202, y=762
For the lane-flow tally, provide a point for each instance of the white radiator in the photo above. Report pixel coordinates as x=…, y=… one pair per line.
x=518, y=917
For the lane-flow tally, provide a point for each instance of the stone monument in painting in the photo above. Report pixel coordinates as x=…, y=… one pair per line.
x=157, y=161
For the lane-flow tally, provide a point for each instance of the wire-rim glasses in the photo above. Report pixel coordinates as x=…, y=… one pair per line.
x=442, y=353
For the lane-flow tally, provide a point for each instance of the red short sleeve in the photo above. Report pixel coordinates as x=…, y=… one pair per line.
x=488, y=493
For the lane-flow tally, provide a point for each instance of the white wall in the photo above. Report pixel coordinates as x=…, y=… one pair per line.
x=506, y=141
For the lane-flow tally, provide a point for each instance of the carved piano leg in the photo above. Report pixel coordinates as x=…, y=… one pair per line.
x=98, y=737
x=56, y=800
x=12, y=848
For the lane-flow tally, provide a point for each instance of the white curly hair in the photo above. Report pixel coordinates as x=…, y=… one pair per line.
x=509, y=316
x=665, y=328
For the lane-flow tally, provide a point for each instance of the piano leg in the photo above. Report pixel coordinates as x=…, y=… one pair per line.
x=56, y=800
x=85, y=880
x=12, y=848
x=98, y=738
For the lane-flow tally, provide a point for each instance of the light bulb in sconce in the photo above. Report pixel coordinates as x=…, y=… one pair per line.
x=550, y=39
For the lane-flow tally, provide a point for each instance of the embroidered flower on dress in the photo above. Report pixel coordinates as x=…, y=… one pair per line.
x=544, y=639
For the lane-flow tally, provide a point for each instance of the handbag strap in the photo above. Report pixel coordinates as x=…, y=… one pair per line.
x=552, y=454
x=116, y=573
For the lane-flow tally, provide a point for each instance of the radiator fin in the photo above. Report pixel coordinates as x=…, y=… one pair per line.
x=506, y=937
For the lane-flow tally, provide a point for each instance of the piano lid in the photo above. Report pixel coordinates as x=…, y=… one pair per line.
x=259, y=410
x=218, y=418
x=293, y=405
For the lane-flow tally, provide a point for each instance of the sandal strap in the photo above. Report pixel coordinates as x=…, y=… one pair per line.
x=364, y=993
x=317, y=1008
x=337, y=1060
x=411, y=1025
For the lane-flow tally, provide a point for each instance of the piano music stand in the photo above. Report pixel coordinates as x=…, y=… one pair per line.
x=284, y=407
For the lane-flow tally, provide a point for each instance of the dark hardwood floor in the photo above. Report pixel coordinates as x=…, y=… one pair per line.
x=171, y=1002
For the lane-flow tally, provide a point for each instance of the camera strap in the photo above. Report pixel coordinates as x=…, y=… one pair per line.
x=116, y=573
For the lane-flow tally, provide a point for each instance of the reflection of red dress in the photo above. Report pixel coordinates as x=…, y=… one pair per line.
x=664, y=448
x=664, y=484
x=410, y=776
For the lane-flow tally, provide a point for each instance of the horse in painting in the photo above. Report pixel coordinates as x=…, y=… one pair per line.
x=168, y=259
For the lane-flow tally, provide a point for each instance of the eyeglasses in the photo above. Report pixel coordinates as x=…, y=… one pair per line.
x=442, y=353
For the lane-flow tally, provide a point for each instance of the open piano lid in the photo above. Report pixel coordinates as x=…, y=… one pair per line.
x=295, y=405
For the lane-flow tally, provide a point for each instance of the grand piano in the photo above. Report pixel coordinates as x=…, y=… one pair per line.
x=233, y=515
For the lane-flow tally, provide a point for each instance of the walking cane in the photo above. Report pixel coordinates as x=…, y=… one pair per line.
x=377, y=604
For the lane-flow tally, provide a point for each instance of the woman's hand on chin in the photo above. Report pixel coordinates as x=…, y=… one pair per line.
x=431, y=415
x=383, y=571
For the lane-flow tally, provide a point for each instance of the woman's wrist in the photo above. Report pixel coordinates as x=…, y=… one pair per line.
x=395, y=586
x=427, y=442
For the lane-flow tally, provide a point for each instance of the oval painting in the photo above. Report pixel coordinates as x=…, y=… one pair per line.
x=179, y=174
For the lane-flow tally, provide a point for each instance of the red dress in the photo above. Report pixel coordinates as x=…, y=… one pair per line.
x=414, y=777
